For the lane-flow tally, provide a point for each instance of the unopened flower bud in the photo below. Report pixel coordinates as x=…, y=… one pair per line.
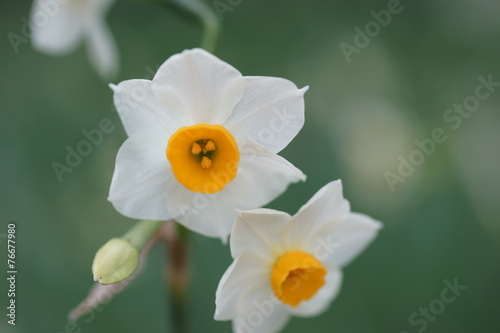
x=115, y=261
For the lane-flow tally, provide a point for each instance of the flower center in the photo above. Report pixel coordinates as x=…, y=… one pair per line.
x=204, y=158
x=296, y=277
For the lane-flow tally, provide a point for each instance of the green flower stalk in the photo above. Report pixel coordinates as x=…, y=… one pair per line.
x=205, y=16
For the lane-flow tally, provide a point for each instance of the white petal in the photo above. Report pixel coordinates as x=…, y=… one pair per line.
x=323, y=210
x=56, y=28
x=245, y=281
x=350, y=237
x=259, y=230
x=271, y=112
x=204, y=213
x=198, y=87
x=142, y=175
x=140, y=111
x=101, y=47
x=321, y=301
x=261, y=177
x=267, y=317
x=222, y=284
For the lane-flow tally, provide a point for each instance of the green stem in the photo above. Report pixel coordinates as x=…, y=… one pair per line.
x=177, y=274
x=207, y=18
x=142, y=232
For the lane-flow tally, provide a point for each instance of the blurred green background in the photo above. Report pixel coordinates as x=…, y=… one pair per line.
x=442, y=223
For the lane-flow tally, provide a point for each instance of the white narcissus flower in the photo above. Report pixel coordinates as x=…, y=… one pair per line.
x=58, y=27
x=202, y=142
x=287, y=265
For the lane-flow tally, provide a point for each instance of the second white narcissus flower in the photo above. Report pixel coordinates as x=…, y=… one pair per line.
x=58, y=27
x=287, y=265
x=202, y=142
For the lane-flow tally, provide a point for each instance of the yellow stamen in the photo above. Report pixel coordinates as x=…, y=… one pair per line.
x=204, y=158
x=210, y=146
x=296, y=277
x=206, y=162
x=196, y=149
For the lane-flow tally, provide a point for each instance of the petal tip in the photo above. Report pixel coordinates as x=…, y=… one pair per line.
x=303, y=177
x=224, y=239
x=376, y=224
x=113, y=87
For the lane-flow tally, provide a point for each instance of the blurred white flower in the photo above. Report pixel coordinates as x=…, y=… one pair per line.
x=287, y=265
x=202, y=142
x=58, y=27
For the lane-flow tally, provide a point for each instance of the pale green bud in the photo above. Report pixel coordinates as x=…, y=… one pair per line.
x=115, y=261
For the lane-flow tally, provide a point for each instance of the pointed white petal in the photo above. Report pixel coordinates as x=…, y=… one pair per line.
x=140, y=111
x=267, y=317
x=198, y=87
x=271, y=112
x=318, y=215
x=321, y=301
x=101, y=47
x=350, y=237
x=141, y=177
x=261, y=231
x=247, y=280
x=57, y=28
